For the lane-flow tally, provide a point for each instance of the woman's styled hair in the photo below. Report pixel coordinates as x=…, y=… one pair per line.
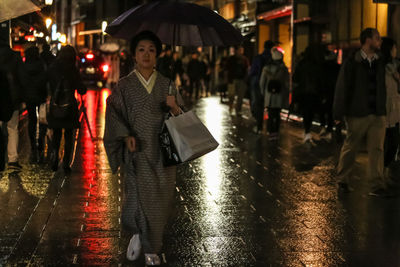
x=67, y=55
x=146, y=35
x=386, y=49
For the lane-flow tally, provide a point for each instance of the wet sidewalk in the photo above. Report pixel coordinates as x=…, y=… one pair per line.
x=251, y=202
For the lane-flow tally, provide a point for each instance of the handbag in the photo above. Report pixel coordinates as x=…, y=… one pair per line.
x=62, y=101
x=168, y=150
x=274, y=86
x=43, y=110
x=184, y=138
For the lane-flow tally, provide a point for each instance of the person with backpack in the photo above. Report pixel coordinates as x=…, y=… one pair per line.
x=256, y=96
x=11, y=71
x=274, y=85
x=35, y=93
x=64, y=79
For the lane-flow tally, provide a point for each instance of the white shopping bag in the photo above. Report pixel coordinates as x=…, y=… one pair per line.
x=191, y=138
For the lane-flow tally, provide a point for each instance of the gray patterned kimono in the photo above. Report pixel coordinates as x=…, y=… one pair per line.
x=148, y=185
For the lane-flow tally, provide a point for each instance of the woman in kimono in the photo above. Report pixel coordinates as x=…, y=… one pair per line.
x=134, y=118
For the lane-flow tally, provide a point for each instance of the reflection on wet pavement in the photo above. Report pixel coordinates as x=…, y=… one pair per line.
x=251, y=202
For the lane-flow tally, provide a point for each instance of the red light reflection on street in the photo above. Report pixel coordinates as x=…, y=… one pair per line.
x=95, y=182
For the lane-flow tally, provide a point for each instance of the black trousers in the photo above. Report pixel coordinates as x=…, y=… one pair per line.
x=274, y=120
x=67, y=146
x=195, y=87
x=326, y=115
x=391, y=144
x=32, y=129
x=3, y=147
x=309, y=106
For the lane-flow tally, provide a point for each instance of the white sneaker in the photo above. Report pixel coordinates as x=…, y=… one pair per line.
x=152, y=259
x=308, y=139
x=327, y=137
x=134, y=247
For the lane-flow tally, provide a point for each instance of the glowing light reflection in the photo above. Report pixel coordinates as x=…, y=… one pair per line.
x=96, y=182
x=211, y=163
x=104, y=95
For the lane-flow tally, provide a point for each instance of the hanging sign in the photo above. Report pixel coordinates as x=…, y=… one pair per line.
x=393, y=2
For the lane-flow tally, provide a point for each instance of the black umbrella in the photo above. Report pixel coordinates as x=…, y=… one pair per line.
x=176, y=23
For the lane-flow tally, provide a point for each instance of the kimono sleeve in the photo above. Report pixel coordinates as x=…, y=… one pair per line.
x=116, y=129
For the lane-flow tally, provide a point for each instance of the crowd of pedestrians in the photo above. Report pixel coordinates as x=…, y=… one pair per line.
x=41, y=81
x=362, y=95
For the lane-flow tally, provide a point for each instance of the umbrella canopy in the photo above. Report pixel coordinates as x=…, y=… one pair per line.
x=10, y=9
x=176, y=23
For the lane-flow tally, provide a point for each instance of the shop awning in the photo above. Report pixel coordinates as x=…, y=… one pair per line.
x=10, y=9
x=280, y=12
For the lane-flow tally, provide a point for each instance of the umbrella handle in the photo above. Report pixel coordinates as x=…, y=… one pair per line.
x=170, y=87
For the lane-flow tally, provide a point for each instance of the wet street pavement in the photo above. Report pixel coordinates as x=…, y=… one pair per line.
x=251, y=202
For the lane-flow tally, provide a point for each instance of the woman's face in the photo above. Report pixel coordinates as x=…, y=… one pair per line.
x=393, y=52
x=145, y=54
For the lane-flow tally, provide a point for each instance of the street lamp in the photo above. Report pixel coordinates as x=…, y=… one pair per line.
x=63, y=38
x=103, y=29
x=48, y=22
x=54, y=32
x=104, y=26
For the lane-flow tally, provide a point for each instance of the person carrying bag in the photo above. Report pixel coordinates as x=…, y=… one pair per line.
x=64, y=79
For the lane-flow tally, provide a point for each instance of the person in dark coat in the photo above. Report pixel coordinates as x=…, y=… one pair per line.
x=308, y=79
x=222, y=77
x=64, y=73
x=35, y=93
x=46, y=55
x=125, y=63
x=194, y=71
x=330, y=71
x=164, y=64
x=237, y=66
x=360, y=100
x=11, y=64
x=177, y=68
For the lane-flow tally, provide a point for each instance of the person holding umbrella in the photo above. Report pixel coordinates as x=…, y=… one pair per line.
x=134, y=117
